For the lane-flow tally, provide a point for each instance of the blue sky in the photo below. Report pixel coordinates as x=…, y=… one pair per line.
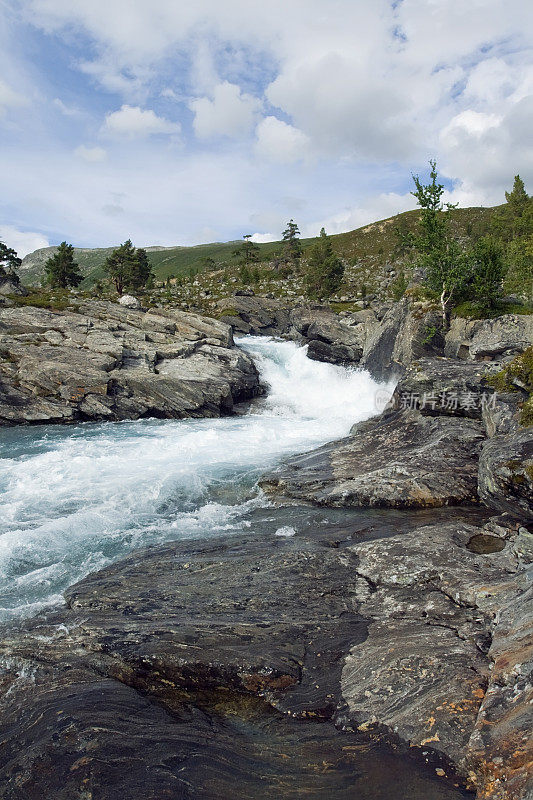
x=174, y=123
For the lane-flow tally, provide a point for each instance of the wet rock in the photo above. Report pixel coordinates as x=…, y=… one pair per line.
x=335, y=342
x=488, y=339
x=109, y=362
x=401, y=459
x=254, y=315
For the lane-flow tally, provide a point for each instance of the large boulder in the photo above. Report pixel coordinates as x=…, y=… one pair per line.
x=506, y=472
x=488, y=339
x=254, y=315
x=109, y=362
x=401, y=459
x=408, y=331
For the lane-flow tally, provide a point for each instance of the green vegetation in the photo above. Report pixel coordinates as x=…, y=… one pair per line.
x=292, y=247
x=58, y=300
x=61, y=269
x=128, y=268
x=518, y=376
x=9, y=263
x=324, y=268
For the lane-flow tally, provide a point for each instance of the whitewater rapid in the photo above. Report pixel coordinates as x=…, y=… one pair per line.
x=73, y=499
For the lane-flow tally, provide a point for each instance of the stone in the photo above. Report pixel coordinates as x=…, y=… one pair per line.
x=505, y=480
x=129, y=301
x=112, y=362
x=401, y=460
x=489, y=339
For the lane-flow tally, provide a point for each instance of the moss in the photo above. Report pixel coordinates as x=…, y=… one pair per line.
x=48, y=300
x=338, y=306
x=517, y=376
x=470, y=310
x=529, y=471
x=227, y=312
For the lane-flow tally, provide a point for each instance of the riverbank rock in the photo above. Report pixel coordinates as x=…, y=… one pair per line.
x=407, y=331
x=104, y=361
x=506, y=472
x=401, y=459
x=254, y=315
x=135, y=683
x=489, y=339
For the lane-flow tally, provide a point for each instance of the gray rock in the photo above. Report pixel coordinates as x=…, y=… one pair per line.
x=506, y=472
x=487, y=339
x=406, y=332
x=401, y=459
x=111, y=362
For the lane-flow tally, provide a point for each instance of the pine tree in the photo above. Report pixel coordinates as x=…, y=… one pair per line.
x=324, y=269
x=292, y=247
x=439, y=255
x=517, y=198
x=247, y=253
x=141, y=275
x=120, y=265
x=9, y=261
x=61, y=269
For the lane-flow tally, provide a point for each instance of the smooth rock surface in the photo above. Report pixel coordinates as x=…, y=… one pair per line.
x=401, y=459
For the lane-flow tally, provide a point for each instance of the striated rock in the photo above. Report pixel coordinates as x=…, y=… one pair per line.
x=448, y=387
x=126, y=688
x=506, y=472
x=335, y=342
x=401, y=459
x=254, y=315
x=440, y=667
x=488, y=339
x=406, y=332
x=109, y=362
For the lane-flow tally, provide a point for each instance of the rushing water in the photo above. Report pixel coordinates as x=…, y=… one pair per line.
x=75, y=498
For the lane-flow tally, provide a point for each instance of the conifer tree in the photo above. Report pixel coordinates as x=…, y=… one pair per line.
x=324, y=269
x=292, y=247
x=61, y=269
x=141, y=275
x=247, y=253
x=120, y=265
x=9, y=260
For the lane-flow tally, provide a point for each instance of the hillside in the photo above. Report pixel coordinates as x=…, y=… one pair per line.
x=370, y=251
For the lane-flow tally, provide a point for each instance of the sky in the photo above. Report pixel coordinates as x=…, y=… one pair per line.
x=177, y=123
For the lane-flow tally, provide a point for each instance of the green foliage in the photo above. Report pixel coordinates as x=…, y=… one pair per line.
x=9, y=261
x=292, y=247
x=246, y=254
x=399, y=285
x=485, y=273
x=325, y=270
x=429, y=334
x=439, y=254
x=61, y=269
x=128, y=268
x=58, y=300
x=518, y=376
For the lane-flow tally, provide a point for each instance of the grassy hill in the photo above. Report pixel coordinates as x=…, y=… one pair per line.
x=370, y=251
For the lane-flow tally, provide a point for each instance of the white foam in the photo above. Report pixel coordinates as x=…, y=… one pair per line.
x=74, y=499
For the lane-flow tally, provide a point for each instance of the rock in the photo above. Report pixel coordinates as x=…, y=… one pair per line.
x=332, y=341
x=111, y=362
x=405, y=333
x=133, y=686
x=446, y=386
x=129, y=301
x=429, y=670
x=254, y=315
x=401, y=460
x=10, y=284
x=488, y=339
x=506, y=472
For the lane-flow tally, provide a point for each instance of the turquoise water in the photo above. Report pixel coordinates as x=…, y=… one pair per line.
x=75, y=498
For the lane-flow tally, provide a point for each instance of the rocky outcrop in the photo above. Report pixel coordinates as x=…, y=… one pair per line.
x=408, y=331
x=401, y=460
x=104, y=361
x=489, y=339
x=506, y=473
x=135, y=685
x=254, y=315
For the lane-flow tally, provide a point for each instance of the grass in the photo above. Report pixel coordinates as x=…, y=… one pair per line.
x=470, y=310
x=518, y=376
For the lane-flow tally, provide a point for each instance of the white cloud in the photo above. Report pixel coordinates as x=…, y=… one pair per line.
x=91, y=154
x=23, y=242
x=261, y=238
x=67, y=111
x=279, y=141
x=134, y=122
x=372, y=210
x=9, y=98
x=229, y=113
